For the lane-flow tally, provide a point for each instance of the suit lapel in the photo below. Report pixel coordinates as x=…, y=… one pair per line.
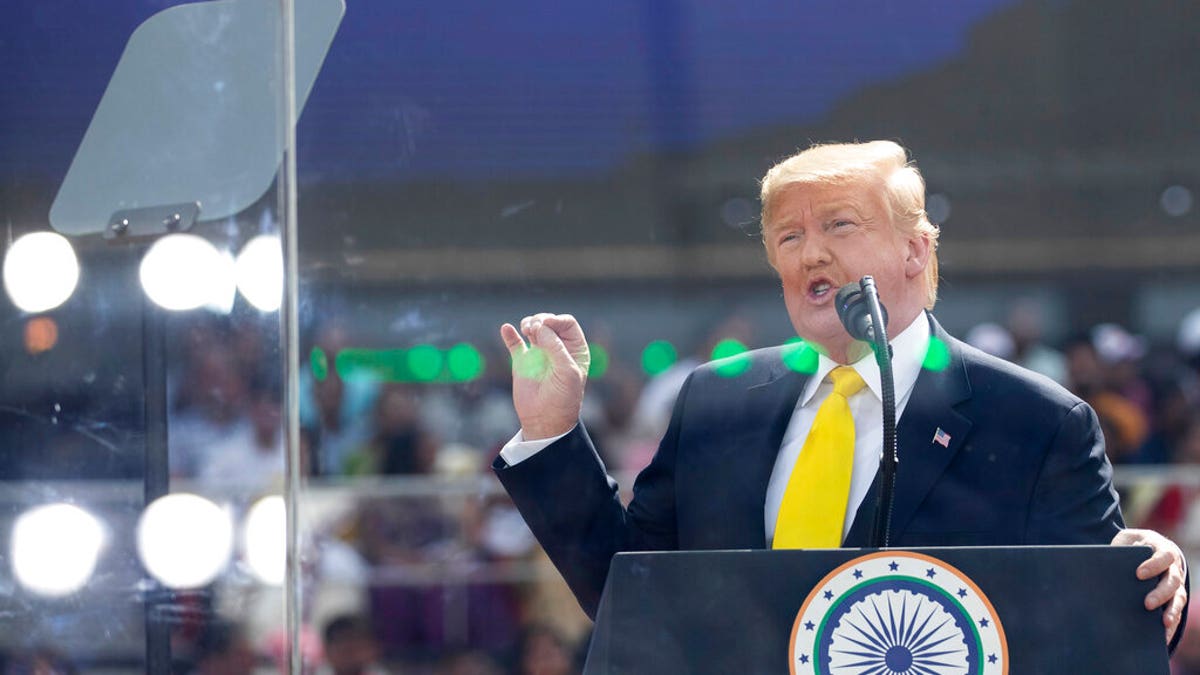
x=769, y=408
x=924, y=453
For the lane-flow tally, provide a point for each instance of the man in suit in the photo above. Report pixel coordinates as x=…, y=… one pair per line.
x=991, y=454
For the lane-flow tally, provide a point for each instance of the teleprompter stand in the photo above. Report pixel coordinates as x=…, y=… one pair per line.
x=1068, y=609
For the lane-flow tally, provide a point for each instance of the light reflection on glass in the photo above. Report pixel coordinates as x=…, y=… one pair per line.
x=183, y=271
x=264, y=539
x=40, y=271
x=55, y=548
x=184, y=540
x=260, y=272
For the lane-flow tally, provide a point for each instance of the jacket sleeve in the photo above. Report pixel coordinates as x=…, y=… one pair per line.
x=574, y=509
x=1074, y=501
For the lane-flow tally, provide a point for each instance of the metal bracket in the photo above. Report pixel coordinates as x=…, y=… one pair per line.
x=152, y=221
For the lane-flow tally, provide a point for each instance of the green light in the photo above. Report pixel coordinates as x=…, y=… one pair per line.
x=424, y=362
x=388, y=365
x=658, y=356
x=532, y=364
x=937, y=357
x=348, y=361
x=464, y=362
x=731, y=354
x=800, y=357
x=319, y=364
x=599, y=365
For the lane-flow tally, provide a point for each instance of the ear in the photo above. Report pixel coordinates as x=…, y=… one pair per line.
x=917, y=255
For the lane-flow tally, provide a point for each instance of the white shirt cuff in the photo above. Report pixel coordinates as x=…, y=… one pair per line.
x=518, y=449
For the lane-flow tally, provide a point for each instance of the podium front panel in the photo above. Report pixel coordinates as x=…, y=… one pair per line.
x=1036, y=610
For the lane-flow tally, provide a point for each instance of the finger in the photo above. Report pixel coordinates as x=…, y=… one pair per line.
x=571, y=333
x=547, y=339
x=1159, y=562
x=512, y=339
x=1173, y=614
x=565, y=325
x=1166, y=589
x=531, y=323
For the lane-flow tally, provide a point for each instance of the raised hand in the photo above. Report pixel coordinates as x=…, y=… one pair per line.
x=549, y=373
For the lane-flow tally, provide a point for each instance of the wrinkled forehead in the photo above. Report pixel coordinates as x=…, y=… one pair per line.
x=863, y=197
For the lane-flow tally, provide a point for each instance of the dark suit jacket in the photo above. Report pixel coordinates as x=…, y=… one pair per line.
x=1025, y=464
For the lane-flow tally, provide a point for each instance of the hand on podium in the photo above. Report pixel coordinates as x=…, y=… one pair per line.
x=549, y=373
x=1168, y=564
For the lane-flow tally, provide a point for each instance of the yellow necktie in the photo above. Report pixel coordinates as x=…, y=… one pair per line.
x=813, y=510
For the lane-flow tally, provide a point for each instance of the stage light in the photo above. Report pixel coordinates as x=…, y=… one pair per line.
x=599, y=363
x=183, y=271
x=658, y=356
x=733, y=350
x=464, y=362
x=184, y=540
x=55, y=547
x=40, y=271
x=424, y=362
x=1176, y=201
x=799, y=356
x=320, y=364
x=264, y=537
x=937, y=356
x=260, y=272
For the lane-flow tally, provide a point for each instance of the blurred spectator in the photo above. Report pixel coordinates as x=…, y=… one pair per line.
x=400, y=443
x=1124, y=425
x=252, y=456
x=653, y=410
x=1173, y=413
x=993, y=339
x=335, y=404
x=1085, y=372
x=1026, y=326
x=478, y=414
x=1121, y=354
x=210, y=404
x=351, y=648
x=1090, y=365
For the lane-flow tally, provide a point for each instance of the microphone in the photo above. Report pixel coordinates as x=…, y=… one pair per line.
x=853, y=304
x=865, y=318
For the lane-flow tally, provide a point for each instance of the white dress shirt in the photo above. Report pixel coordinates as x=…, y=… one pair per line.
x=908, y=353
x=866, y=406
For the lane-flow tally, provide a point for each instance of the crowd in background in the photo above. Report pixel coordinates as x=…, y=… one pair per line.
x=453, y=582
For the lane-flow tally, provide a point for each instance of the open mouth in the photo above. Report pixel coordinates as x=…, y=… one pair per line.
x=820, y=289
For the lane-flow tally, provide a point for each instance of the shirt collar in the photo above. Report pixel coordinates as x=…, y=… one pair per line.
x=908, y=353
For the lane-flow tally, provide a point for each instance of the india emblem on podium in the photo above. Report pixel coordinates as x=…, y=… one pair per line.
x=897, y=613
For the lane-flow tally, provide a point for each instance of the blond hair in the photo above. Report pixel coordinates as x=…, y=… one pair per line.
x=848, y=163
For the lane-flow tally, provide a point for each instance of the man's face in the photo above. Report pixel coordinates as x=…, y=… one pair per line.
x=824, y=236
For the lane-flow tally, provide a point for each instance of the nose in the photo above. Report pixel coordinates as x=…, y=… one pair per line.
x=815, y=252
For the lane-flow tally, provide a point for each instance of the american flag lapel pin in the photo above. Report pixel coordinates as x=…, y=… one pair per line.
x=941, y=438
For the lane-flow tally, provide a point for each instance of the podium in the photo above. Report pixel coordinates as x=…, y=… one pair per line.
x=989, y=610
